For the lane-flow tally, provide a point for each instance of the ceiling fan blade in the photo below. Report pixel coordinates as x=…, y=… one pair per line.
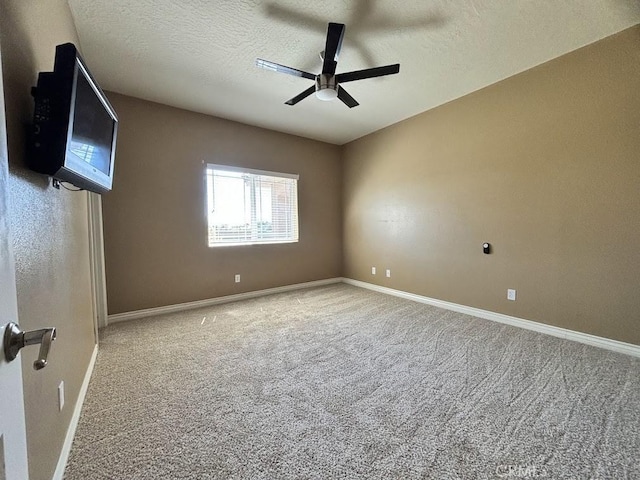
x=347, y=99
x=302, y=96
x=335, y=34
x=368, y=73
x=276, y=67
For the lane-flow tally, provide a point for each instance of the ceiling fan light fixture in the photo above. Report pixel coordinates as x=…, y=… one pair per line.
x=326, y=87
x=326, y=94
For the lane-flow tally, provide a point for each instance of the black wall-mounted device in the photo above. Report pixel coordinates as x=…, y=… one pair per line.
x=486, y=248
x=74, y=129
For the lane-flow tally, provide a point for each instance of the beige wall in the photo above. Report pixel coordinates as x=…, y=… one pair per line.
x=154, y=218
x=49, y=228
x=544, y=165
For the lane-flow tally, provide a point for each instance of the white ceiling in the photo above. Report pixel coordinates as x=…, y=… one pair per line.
x=199, y=54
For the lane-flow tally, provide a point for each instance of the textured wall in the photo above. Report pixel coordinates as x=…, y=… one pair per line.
x=50, y=233
x=154, y=218
x=543, y=165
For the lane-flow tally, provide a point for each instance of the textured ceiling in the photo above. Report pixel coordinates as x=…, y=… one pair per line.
x=199, y=54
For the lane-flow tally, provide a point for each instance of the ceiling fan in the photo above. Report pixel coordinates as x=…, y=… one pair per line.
x=327, y=83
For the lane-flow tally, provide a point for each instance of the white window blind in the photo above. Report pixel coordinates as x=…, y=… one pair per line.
x=251, y=206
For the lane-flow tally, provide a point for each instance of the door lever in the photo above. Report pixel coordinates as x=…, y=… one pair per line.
x=15, y=339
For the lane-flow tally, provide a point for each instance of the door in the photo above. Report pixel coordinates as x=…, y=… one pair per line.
x=13, y=441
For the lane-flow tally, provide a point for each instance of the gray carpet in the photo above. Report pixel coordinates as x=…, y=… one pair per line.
x=340, y=382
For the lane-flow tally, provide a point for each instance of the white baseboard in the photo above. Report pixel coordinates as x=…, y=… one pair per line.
x=123, y=317
x=75, y=418
x=601, y=342
x=614, y=345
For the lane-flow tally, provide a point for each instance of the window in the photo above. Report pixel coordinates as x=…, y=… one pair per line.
x=251, y=206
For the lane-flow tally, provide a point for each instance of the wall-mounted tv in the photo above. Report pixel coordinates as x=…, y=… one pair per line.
x=74, y=125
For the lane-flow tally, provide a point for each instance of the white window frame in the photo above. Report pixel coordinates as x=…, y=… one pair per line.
x=252, y=176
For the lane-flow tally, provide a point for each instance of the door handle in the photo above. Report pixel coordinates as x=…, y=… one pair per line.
x=15, y=339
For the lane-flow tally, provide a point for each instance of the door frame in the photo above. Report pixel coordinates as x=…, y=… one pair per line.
x=96, y=261
x=13, y=431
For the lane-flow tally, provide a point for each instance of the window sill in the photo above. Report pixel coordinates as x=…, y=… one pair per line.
x=240, y=244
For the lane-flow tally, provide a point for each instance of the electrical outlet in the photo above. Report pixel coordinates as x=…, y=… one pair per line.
x=388, y=273
x=373, y=270
x=61, y=396
x=238, y=278
x=511, y=294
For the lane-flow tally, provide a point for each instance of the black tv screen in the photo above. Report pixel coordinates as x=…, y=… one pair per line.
x=75, y=126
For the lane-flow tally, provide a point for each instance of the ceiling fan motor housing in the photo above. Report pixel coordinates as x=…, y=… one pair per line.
x=326, y=87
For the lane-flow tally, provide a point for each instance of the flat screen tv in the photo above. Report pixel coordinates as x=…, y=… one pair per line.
x=74, y=125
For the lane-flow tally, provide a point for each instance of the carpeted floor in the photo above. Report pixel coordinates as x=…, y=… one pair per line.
x=341, y=382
